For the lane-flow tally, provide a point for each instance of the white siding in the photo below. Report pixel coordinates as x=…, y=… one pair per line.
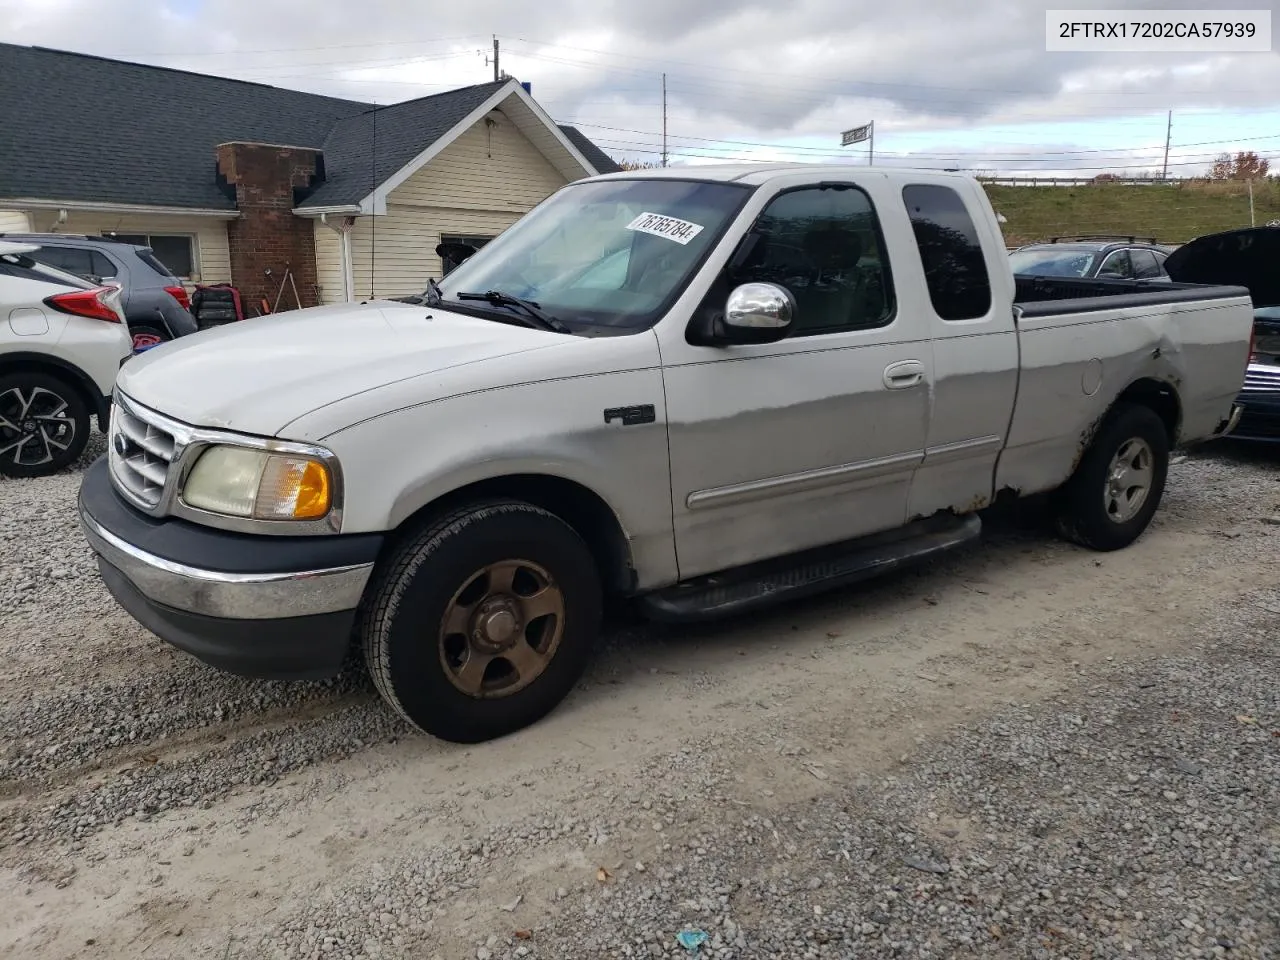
x=480, y=184
x=14, y=221
x=209, y=234
x=329, y=264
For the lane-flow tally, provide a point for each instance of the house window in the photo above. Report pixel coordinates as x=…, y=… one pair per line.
x=175, y=253
x=448, y=265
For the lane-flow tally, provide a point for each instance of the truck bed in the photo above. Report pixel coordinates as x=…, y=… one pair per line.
x=1045, y=296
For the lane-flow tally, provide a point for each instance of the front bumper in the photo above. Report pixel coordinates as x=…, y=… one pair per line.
x=1260, y=420
x=263, y=606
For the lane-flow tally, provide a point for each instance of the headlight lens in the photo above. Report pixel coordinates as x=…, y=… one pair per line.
x=258, y=484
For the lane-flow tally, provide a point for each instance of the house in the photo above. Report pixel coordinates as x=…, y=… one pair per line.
x=232, y=181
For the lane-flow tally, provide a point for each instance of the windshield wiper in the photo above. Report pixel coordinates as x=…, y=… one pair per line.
x=533, y=313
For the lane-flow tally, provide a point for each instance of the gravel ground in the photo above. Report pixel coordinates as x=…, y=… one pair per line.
x=1022, y=750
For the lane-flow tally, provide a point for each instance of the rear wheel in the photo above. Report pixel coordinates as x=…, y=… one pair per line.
x=483, y=622
x=147, y=335
x=1114, y=493
x=44, y=424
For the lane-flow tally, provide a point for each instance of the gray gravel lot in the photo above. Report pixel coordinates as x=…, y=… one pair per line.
x=1022, y=750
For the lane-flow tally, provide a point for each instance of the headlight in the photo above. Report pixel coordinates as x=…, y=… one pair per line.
x=259, y=484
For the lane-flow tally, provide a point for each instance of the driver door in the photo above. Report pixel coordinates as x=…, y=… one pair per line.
x=780, y=447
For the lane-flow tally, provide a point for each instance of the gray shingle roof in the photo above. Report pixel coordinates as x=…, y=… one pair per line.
x=595, y=156
x=393, y=134
x=92, y=129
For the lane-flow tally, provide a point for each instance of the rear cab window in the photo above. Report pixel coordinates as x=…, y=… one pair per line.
x=955, y=268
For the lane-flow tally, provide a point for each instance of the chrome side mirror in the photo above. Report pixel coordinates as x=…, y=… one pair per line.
x=758, y=313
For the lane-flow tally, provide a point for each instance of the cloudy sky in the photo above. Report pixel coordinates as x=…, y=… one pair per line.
x=954, y=83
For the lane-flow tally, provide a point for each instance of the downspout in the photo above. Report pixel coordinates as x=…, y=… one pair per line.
x=343, y=230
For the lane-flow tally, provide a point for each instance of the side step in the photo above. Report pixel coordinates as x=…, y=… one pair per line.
x=813, y=571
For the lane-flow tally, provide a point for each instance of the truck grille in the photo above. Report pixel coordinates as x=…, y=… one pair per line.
x=140, y=454
x=1262, y=378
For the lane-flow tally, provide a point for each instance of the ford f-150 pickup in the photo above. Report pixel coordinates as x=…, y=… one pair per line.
x=700, y=390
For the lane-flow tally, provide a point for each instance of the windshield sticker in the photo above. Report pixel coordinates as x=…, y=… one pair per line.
x=681, y=231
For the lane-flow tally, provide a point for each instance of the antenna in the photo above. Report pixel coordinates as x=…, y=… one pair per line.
x=373, y=188
x=664, y=119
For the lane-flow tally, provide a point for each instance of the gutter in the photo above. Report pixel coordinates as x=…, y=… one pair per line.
x=91, y=206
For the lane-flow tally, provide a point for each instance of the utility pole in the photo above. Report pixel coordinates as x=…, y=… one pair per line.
x=496, y=74
x=664, y=119
x=1168, y=135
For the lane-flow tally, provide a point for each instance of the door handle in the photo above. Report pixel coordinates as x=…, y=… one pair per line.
x=904, y=373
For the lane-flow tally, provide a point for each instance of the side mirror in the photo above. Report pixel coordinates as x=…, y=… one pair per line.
x=757, y=313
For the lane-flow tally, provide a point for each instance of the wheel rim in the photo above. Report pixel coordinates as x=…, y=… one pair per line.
x=35, y=426
x=501, y=630
x=1129, y=479
x=143, y=340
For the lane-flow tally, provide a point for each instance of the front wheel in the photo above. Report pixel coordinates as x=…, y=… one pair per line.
x=1114, y=493
x=482, y=623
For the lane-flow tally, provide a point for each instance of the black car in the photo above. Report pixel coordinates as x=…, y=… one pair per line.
x=1091, y=258
x=1247, y=258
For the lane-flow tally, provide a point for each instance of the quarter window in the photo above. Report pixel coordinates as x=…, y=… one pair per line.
x=955, y=269
x=823, y=244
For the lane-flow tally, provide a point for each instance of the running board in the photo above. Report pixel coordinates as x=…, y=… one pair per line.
x=803, y=574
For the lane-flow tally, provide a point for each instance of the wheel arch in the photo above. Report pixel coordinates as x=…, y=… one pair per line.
x=27, y=361
x=1161, y=397
x=579, y=506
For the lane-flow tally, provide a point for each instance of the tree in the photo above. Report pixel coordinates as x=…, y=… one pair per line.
x=635, y=165
x=1243, y=166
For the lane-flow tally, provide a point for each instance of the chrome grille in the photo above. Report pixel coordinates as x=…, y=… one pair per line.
x=140, y=454
x=1262, y=378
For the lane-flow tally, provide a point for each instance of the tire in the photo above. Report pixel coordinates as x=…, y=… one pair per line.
x=449, y=683
x=1099, y=514
x=44, y=424
x=147, y=335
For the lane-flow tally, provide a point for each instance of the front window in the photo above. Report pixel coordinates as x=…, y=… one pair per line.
x=1050, y=262
x=612, y=253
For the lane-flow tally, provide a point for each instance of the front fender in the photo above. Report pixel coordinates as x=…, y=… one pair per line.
x=398, y=463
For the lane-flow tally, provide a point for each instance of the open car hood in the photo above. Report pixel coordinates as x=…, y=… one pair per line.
x=1246, y=258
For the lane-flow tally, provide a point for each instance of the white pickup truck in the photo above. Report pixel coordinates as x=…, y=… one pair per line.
x=701, y=390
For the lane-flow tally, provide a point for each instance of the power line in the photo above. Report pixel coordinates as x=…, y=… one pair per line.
x=815, y=149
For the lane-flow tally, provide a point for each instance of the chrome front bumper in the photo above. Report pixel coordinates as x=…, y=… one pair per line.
x=237, y=596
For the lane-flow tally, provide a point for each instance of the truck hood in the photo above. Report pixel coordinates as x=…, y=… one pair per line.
x=1244, y=258
x=257, y=375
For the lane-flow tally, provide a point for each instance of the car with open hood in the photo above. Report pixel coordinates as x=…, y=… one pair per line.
x=1247, y=258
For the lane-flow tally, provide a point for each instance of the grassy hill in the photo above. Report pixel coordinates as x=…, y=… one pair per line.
x=1172, y=213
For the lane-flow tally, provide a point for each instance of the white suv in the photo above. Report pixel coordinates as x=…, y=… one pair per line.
x=62, y=341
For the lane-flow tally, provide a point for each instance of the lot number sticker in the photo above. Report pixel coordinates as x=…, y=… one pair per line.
x=681, y=231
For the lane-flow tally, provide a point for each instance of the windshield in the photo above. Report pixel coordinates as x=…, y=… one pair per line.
x=1048, y=262
x=612, y=253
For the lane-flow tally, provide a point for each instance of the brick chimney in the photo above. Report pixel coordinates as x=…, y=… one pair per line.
x=268, y=181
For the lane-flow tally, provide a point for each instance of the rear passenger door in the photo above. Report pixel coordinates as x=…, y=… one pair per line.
x=1145, y=265
x=1116, y=266
x=975, y=350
